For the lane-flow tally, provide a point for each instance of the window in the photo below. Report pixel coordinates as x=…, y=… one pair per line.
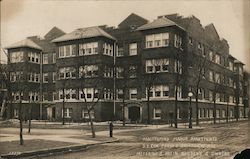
x=53, y=57
x=133, y=49
x=217, y=58
x=179, y=91
x=17, y=96
x=231, y=99
x=67, y=72
x=211, y=76
x=217, y=113
x=67, y=51
x=132, y=71
x=68, y=112
x=157, y=65
x=119, y=72
x=120, y=94
x=108, y=94
x=217, y=78
x=54, y=76
x=211, y=56
x=90, y=93
x=210, y=95
x=16, y=57
x=45, y=96
x=85, y=114
x=55, y=96
x=88, y=48
x=68, y=94
x=34, y=57
x=88, y=71
x=16, y=76
x=108, y=49
x=201, y=93
x=157, y=40
x=240, y=100
x=231, y=113
x=120, y=52
x=34, y=77
x=16, y=113
x=108, y=72
x=132, y=93
x=211, y=113
x=45, y=59
x=159, y=91
x=165, y=90
x=178, y=67
x=33, y=96
x=223, y=113
x=231, y=65
x=217, y=97
x=240, y=70
x=45, y=78
x=177, y=41
x=157, y=113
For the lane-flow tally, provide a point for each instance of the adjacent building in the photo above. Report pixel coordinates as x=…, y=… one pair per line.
x=139, y=70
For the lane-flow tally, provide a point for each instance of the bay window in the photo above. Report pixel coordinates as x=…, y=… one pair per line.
x=88, y=71
x=67, y=72
x=67, y=51
x=157, y=40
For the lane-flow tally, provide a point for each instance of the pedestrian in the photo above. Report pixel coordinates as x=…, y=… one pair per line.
x=111, y=129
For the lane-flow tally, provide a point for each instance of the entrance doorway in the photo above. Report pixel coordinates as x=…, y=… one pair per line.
x=134, y=113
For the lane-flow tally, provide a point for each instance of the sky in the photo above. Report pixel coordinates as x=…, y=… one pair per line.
x=23, y=18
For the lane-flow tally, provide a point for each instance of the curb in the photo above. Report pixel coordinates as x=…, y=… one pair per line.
x=52, y=151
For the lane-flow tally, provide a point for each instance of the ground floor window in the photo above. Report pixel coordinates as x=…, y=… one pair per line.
x=16, y=112
x=85, y=114
x=68, y=112
x=217, y=113
x=211, y=113
x=241, y=113
x=231, y=113
x=223, y=113
x=157, y=113
x=204, y=113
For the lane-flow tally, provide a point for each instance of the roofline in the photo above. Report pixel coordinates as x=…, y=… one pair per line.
x=9, y=47
x=178, y=26
x=55, y=41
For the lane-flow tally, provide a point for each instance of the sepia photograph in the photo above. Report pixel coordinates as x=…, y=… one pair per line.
x=113, y=79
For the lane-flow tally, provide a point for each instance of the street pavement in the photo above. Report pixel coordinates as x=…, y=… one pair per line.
x=220, y=141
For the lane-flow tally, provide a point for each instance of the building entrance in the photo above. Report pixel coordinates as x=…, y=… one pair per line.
x=134, y=113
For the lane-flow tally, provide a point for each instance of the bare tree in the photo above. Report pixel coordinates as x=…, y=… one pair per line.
x=19, y=79
x=150, y=79
x=215, y=92
x=124, y=85
x=200, y=66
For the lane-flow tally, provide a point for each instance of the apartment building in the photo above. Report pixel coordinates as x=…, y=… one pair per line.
x=139, y=70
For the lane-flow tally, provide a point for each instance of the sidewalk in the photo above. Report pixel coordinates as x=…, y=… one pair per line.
x=46, y=142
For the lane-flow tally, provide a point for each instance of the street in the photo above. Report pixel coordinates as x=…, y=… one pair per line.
x=220, y=141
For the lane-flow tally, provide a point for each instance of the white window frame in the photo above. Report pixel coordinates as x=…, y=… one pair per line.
x=44, y=76
x=151, y=40
x=157, y=111
x=45, y=58
x=133, y=49
x=133, y=91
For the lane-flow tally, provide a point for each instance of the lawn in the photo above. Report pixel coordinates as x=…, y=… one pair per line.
x=30, y=145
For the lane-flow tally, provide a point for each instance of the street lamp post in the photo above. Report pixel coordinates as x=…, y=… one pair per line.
x=190, y=94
